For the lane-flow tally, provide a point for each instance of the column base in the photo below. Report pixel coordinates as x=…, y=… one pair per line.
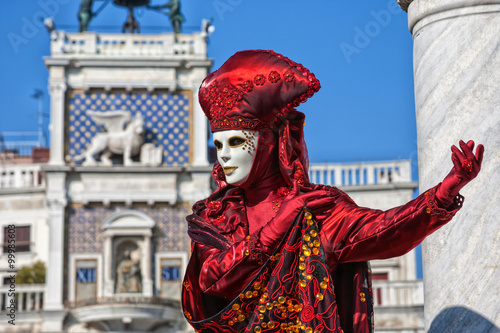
x=53, y=320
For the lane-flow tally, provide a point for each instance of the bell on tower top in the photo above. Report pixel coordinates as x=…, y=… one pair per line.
x=131, y=24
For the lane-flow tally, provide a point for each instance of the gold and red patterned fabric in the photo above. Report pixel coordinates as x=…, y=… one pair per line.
x=293, y=291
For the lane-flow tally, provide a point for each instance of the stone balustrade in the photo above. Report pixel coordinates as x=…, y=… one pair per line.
x=386, y=293
x=338, y=174
x=21, y=176
x=360, y=174
x=124, y=299
x=185, y=46
x=28, y=297
x=398, y=293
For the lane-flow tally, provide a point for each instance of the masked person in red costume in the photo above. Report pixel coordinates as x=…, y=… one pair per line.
x=272, y=252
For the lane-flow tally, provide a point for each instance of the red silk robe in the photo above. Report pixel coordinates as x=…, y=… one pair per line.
x=314, y=278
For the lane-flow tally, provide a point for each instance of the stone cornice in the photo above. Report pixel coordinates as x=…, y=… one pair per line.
x=422, y=12
x=126, y=62
x=381, y=187
x=128, y=169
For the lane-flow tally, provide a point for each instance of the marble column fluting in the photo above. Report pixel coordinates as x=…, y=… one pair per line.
x=457, y=96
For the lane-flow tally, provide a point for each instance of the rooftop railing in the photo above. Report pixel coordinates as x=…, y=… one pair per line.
x=168, y=45
x=21, y=176
x=24, y=298
x=398, y=293
x=359, y=174
x=19, y=144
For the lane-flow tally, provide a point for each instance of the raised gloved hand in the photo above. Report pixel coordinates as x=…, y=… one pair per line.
x=466, y=167
x=272, y=233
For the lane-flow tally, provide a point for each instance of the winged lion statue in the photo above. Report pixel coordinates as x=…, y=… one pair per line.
x=123, y=136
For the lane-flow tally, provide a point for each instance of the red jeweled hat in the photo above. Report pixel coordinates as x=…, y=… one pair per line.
x=252, y=88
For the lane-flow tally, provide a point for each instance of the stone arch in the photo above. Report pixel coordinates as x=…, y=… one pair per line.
x=128, y=219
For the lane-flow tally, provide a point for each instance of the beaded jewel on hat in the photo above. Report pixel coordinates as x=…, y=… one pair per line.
x=253, y=88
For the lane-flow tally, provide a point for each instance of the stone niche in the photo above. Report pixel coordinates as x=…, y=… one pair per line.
x=127, y=272
x=127, y=254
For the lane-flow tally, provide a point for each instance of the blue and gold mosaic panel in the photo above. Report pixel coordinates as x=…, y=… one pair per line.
x=167, y=120
x=85, y=235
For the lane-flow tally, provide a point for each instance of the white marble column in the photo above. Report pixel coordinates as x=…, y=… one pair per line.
x=200, y=133
x=53, y=297
x=57, y=113
x=109, y=285
x=147, y=289
x=457, y=96
x=56, y=202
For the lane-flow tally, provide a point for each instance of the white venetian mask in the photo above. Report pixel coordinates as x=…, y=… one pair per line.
x=235, y=153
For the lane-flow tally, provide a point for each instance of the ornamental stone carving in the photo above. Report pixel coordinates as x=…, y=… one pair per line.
x=151, y=155
x=56, y=204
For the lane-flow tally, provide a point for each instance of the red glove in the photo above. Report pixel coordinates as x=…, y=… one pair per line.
x=272, y=233
x=466, y=167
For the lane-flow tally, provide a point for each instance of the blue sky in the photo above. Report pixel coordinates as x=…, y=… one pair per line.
x=360, y=50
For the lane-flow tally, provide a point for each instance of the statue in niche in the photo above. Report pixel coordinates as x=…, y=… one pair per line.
x=175, y=15
x=128, y=275
x=116, y=140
